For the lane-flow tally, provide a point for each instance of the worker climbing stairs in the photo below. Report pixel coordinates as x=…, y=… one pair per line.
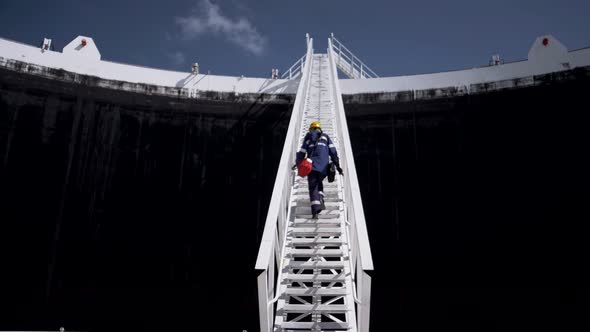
x=314, y=272
x=315, y=276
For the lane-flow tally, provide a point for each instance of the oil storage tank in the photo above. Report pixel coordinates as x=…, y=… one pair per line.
x=134, y=197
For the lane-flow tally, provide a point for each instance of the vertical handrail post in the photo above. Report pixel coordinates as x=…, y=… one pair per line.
x=364, y=289
x=263, y=306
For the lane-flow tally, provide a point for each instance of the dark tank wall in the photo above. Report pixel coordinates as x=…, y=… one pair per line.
x=131, y=210
x=477, y=206
x=125, y=210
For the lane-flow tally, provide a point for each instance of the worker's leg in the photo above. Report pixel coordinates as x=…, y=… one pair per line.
x=321, y=192
x=314, y=181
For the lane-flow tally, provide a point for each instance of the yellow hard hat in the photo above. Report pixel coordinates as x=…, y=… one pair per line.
x=315, y=124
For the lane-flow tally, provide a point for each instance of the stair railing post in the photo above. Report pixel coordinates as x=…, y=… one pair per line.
x=364, y=290
x=263, y=299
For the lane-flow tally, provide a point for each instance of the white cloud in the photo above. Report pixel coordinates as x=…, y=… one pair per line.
x=210, y=19
x=177, y=58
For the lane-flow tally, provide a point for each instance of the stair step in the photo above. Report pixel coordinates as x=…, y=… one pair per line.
x=328, y=198
x=315, y=325
x=317, y=242
x=315, y=252
x=315, y=231
x=308, y=219
x=303, y=184
x=334, y=200
x=322, y=215
x=333, y=213
x=317, y=222
x=326, y=190
x=304, y=193
x=315, y=277
x=330, y=209
x=317, y=265
x=317, y=226
x=332, y=193
x=328, y=201
x=323, y=308
x=329, y=205
x=316, y=291
x=314, y=242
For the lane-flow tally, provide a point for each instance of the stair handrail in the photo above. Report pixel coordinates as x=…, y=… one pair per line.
x=269, y=253
x=353, y=67
x=295, y=70
x=360, y=249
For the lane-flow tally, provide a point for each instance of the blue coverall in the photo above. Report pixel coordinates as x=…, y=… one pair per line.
x=320, y=154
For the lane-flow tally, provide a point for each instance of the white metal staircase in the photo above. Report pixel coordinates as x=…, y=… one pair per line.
x=313, y=273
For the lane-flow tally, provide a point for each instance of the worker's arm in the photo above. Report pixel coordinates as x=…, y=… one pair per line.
x=303, y=150
x=334, y=155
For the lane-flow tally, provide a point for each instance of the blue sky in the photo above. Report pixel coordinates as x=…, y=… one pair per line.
x=238, y=37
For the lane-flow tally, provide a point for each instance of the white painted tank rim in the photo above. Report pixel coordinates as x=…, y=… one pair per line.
x=542, y=59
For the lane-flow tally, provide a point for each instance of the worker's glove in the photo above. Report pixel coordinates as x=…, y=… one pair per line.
x=339, y=169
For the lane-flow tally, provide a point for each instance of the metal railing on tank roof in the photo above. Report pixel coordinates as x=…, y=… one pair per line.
x=347, y=62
